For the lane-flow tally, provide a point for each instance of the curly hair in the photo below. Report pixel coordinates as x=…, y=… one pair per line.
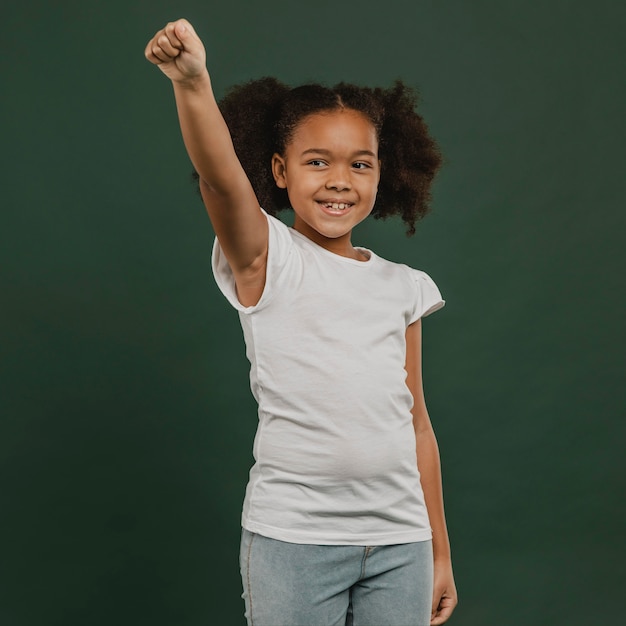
x=262, y=116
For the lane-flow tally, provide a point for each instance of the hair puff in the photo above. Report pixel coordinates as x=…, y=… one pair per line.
x=263, y=114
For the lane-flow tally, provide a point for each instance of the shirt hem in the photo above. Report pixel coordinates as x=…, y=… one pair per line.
x=322, y=539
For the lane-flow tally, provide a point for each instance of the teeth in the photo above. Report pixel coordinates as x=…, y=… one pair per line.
x=336, y=205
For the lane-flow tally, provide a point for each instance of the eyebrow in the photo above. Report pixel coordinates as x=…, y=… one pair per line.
x=328, y=152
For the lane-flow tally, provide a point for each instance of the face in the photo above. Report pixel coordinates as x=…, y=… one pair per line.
x=330, y=170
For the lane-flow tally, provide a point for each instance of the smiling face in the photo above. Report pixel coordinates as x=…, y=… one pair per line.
x=330, y=170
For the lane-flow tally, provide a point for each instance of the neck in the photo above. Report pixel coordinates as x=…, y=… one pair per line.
x=341, y=245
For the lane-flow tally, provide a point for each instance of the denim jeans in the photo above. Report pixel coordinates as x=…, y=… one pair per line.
x=289, y=584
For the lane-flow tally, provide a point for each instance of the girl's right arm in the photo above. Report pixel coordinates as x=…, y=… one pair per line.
x=231, y=203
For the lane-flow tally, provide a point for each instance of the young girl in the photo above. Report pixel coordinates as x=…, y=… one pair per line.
x=343, y=518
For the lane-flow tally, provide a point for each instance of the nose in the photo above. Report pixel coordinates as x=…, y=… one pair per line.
x=338, y=179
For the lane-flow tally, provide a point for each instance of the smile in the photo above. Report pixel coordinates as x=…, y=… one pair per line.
x=335, y=207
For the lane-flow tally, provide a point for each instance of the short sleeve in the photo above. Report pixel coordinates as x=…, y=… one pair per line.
x=427, y=296
x=279, y=253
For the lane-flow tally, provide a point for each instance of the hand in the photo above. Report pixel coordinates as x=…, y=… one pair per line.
x=444, y=593
x=177, y=51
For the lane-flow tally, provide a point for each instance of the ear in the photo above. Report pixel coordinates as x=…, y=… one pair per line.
x=279, y=170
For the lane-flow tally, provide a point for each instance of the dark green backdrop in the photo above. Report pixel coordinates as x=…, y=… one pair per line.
x=126, y=422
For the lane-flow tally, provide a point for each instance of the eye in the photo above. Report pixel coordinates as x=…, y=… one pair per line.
x=316, y=163
x=359, y=165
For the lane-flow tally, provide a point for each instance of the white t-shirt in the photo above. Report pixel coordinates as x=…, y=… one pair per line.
x=334, y=451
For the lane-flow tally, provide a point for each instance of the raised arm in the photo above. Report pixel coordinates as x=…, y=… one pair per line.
x=227, y=193
x=444, y=591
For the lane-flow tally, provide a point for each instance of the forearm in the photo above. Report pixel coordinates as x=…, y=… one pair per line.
x=429, y=466
x=206, y=136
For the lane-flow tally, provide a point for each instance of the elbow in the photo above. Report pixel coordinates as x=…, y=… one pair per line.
x=421, y=421
x=209, y=188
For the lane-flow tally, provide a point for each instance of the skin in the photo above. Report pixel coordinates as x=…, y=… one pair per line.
x=445, y=596
x=332, y=157
x=226, y=191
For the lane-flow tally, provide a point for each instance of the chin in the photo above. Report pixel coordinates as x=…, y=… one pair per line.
x=333, y=231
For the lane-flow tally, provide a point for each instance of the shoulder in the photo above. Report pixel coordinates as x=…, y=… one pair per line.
x=419, y=276
x=425, y=294
x=279, y=261
x=402, y=270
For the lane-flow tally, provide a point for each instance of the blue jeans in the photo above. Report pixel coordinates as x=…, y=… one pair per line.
x=290, y=584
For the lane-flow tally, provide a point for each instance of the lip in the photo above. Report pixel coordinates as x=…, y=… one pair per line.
x=335, y=212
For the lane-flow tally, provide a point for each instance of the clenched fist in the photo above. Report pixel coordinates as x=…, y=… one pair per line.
x=177, y=51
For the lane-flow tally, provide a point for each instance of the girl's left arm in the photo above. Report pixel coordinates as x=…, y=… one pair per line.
x=444, y=590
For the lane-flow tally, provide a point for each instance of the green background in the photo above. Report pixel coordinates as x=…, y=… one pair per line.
x=126, y=422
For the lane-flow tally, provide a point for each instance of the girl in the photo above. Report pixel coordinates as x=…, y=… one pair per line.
x=343, y=519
